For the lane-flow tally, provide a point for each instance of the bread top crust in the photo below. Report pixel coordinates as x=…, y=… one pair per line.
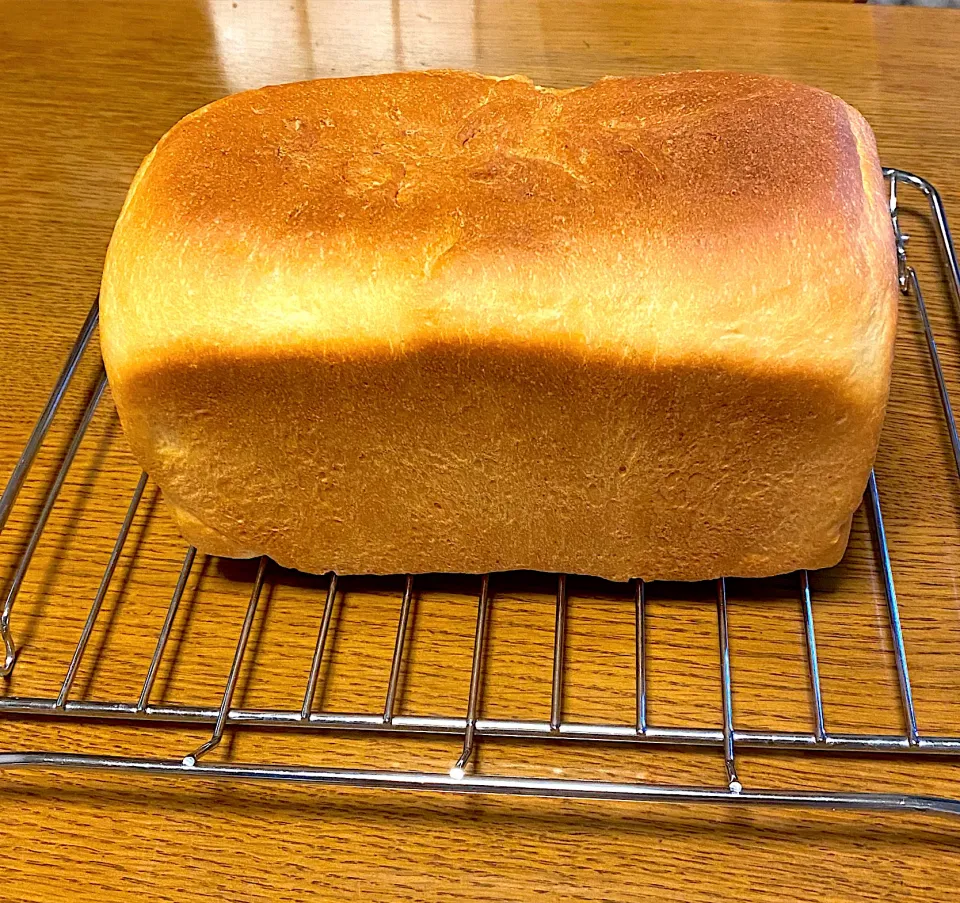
x=699, y=216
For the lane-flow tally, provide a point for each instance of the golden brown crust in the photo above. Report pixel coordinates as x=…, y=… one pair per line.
x=437, y=321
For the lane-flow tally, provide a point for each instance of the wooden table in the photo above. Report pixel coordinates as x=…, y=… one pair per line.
x=88, y=87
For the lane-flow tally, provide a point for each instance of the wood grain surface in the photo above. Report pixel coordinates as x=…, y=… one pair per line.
x=87, y=88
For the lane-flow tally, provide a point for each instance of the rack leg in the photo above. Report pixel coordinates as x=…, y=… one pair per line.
x=473, y=699
x=10, y=651
x=944, y=238
x=896, y=631
x=191, y=759
x=165, y=630
x=397, y=661
x=937, y=368
x=819, y=728
x=25, y=462
x=559, y=636
x=102, y=591
x=641, y=657
x=725, y=686
x=318, y=649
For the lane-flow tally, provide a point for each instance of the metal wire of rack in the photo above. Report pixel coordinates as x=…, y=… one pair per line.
x=471, y=727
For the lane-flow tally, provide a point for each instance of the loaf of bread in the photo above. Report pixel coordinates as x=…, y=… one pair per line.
x=438, y=321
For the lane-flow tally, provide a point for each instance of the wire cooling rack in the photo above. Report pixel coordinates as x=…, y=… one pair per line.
x=302, y=713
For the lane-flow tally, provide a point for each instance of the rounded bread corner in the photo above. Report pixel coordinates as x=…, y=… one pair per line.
x=207, y=540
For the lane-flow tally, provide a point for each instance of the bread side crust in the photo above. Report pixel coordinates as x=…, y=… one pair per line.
x=699, y=238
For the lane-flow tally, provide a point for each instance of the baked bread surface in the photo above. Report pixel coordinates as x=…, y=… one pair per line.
x=439, y=321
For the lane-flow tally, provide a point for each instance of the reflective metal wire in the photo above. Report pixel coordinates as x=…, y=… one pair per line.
x=470, y=726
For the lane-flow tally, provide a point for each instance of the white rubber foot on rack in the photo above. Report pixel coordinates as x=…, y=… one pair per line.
x=457, y=773
x=736, y=787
